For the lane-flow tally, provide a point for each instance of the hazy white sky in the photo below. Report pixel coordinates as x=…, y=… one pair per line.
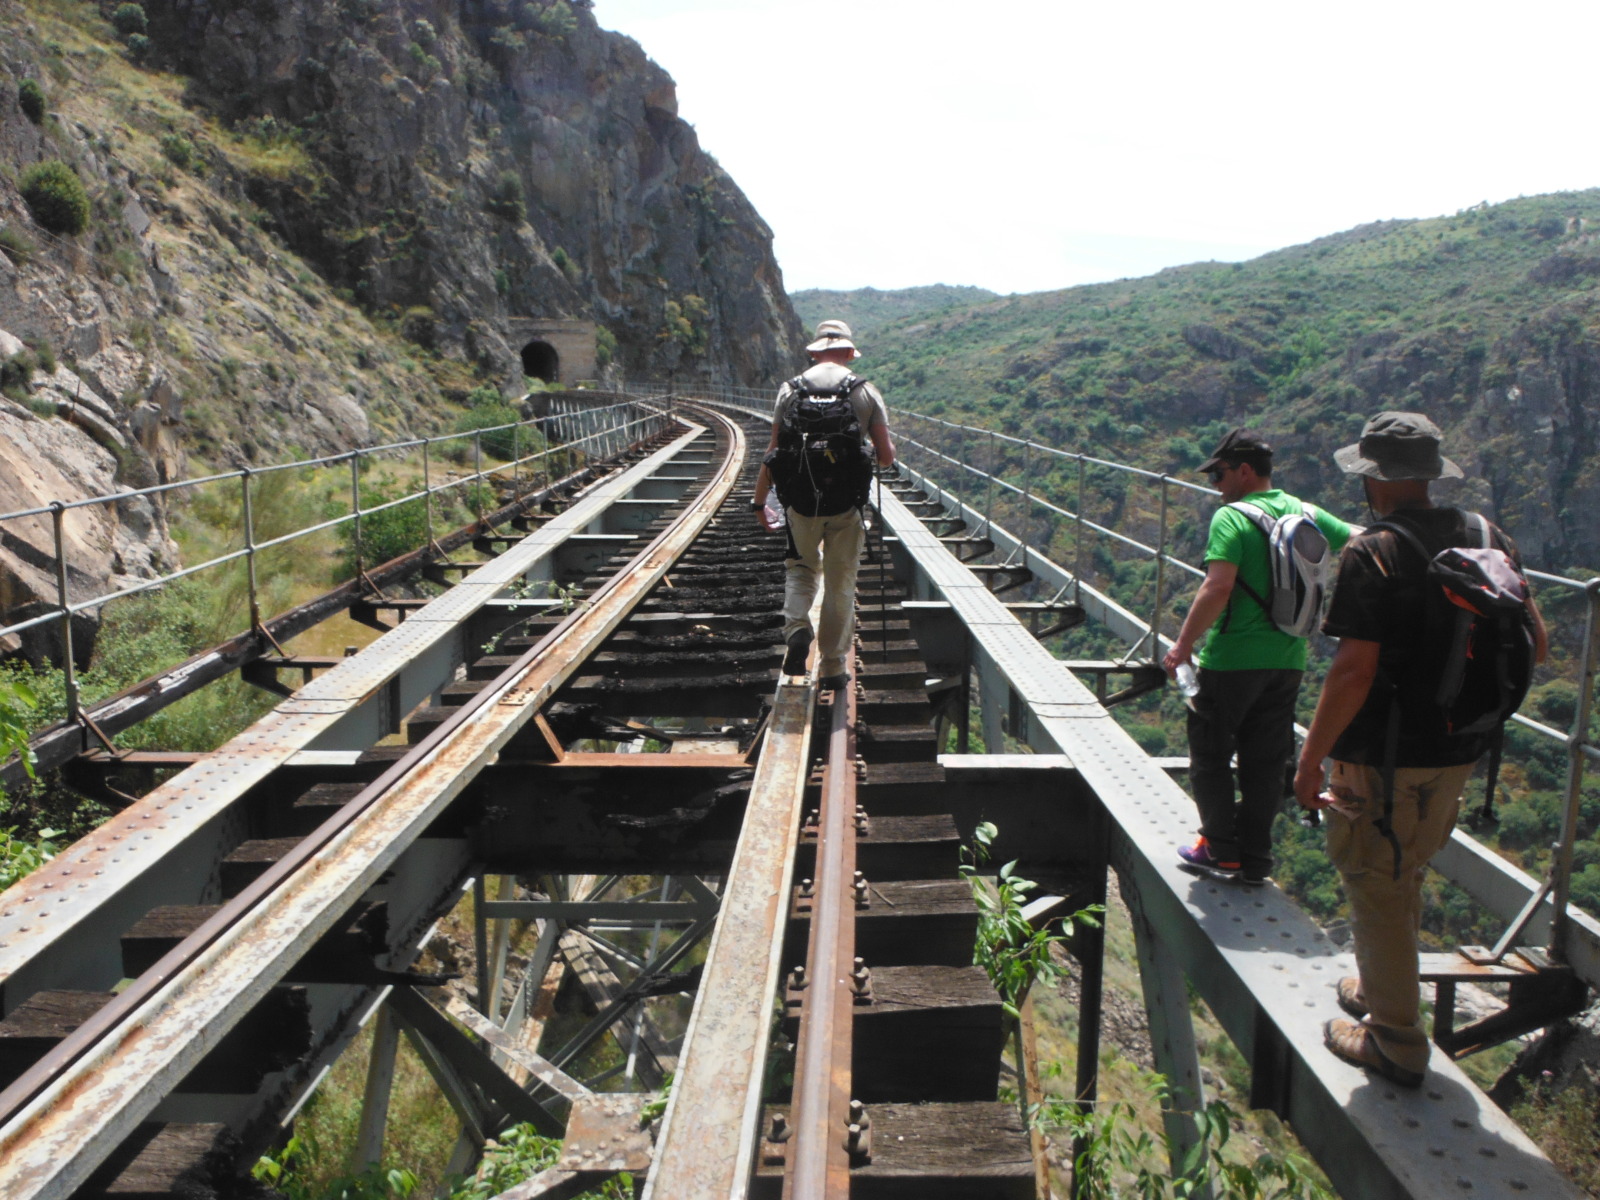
x=1031, y=144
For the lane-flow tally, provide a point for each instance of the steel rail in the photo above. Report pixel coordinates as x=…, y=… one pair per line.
x=350, y=706
x=63, y=1117
x=57, y=743
x=818, y=1164
x=712, y=1124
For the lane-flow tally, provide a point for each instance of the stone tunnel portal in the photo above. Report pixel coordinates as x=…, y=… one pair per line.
x=540, y=361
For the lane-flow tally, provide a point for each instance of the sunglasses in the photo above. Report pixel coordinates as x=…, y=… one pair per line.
x=1215, y=474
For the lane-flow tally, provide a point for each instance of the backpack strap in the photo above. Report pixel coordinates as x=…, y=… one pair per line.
x=1262, y=520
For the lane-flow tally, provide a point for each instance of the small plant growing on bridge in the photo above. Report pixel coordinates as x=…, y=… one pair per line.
x=56, y=197
x=1116, y=1157
x=1009, y=948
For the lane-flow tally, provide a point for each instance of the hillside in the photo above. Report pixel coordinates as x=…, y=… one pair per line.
x=273, y=231
x=1488, y=320
x=867, y=310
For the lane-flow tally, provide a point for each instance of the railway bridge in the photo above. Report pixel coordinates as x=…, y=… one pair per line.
x=678, y=862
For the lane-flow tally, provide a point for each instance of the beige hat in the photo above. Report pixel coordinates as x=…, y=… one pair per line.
x=833, y=335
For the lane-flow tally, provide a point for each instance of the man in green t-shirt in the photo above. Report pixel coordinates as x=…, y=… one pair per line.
x=1249, y=671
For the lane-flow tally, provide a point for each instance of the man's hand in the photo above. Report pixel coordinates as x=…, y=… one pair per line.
x=1180, y=653
x=1308, y=785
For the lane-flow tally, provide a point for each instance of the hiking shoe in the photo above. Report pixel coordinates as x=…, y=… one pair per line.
x=833, y=683
x=1198, y=857
x=1254, y=876
x=1353, y=1042
x=794, y=658
x=1350, y=1000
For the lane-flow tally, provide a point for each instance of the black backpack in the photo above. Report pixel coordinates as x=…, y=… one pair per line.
x=820, y=465
x=1474, y=664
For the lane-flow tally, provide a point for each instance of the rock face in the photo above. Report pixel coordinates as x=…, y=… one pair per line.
x=317, y=226
x=486, y=160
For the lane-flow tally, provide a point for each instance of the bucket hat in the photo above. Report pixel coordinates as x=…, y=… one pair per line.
x=833, y=335
x=1395, y=446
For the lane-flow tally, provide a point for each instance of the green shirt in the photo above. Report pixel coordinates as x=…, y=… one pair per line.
x=1244, y=637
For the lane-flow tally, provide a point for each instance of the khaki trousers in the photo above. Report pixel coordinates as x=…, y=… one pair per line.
x=829, y=549
x=1385, y=912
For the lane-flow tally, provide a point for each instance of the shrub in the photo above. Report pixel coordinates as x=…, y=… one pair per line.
x=130, y=19
x=16, y=246
x=417, y=325
x=480, y=396
x=179, y=150
x=507, y=198
x=56, y=197
x=16, y=373
x=558, y=20
x=138, y=47
x=498, y=443
x=387, y=534
x=605, y=346
x=30, y=98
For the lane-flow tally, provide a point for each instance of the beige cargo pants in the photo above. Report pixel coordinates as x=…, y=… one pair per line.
x=826, y=549
x=1385, y=912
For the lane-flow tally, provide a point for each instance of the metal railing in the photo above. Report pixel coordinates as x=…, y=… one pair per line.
x=1576, y=741
x=978, y=489
x=573, y=429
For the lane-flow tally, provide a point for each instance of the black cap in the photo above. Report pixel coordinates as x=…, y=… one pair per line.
x=1240, y=446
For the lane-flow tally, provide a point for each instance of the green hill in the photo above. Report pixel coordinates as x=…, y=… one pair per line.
x=868, y=310
x=1488, y=320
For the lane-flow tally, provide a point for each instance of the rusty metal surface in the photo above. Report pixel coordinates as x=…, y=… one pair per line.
x=45, y=907
x=165, y=1022
x=819, y=1165
x=709, y=1134
x=604, y=1134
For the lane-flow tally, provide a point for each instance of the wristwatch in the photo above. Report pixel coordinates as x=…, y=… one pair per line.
x=756, y=505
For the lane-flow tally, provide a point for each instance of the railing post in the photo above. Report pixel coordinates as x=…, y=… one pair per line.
x=1027, y=498
x=250, y=549
x=427, y=489
x=994, y=472
x=1161, y=568
x=1577, y=740
x=355, y=509
x=516, y=460
x=477, y=474
x=1077, y=541
x=69, y=670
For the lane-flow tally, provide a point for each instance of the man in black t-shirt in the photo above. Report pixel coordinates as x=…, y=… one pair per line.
x=1378, y=615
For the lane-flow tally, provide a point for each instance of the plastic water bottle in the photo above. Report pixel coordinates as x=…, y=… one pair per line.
x=772, y=514
x=1188, y=680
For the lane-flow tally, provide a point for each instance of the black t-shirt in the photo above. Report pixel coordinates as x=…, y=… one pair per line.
x=1379, y=598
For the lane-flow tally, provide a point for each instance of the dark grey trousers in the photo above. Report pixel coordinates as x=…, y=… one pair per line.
x=1251, y=714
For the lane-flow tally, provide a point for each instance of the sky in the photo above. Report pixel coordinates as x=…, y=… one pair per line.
x=1026, y=145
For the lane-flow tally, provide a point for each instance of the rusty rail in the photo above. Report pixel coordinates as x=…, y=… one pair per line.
x=64, y=1115
x=819, y=1161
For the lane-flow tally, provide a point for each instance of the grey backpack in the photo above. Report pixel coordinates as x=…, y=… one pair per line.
x=1300, y=559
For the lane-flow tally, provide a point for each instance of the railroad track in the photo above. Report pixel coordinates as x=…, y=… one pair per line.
x=174, y=983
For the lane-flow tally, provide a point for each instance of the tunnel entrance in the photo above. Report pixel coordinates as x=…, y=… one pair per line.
x=540, y=361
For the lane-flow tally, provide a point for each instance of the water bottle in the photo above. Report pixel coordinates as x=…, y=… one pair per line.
x=1188, y=680
x=772, y=514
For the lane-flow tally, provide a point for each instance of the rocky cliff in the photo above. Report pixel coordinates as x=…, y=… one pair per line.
x=319, y=225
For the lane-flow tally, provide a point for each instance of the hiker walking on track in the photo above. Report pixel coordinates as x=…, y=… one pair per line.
x=1438, y=635
x=1266, y=558
x=828, y=429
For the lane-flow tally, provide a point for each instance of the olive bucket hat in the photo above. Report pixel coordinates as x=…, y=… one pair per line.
x=1397, y=445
